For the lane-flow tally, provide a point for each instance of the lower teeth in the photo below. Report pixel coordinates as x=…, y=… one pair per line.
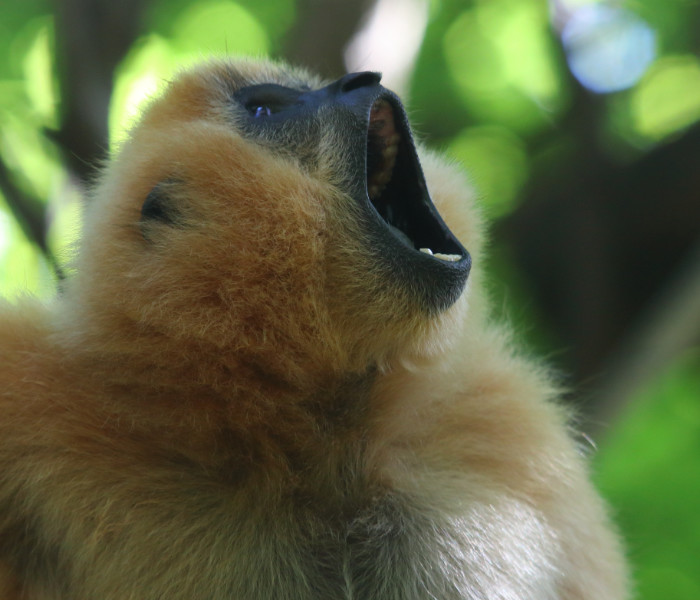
x=440, y=255
x=447, y=257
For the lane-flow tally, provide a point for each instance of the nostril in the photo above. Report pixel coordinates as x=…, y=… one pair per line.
x=353, y=81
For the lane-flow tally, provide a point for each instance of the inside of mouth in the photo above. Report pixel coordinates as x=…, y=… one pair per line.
x=396, y=188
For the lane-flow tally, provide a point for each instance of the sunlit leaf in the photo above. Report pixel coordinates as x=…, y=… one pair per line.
x=39, y=75
x=141, y=74
x=497, y=164
x=473, y=58
x=220, y=27
x=522, y=36
x=274, y=16
x=500, y=54
x=668, y=98
x=32, y=158
x=649, y=469
x=202, y=29
x=5, y=232
x=18, y=23
x=20, y=263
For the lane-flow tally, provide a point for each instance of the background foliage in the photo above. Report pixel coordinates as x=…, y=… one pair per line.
x=577, y=119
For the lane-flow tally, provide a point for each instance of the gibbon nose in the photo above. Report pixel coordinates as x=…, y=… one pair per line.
x=354, y=91
x=353, y=81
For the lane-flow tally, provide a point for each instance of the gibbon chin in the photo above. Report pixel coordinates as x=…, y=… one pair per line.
x=273, y=374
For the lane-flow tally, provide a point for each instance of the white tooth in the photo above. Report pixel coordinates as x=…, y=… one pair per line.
x=427, y=251
x=447, y=257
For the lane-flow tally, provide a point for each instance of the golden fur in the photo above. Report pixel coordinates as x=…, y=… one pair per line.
x=239, y=407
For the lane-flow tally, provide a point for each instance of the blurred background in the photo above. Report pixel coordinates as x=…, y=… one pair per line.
x=578, y=120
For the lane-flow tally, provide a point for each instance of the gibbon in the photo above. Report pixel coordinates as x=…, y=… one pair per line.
x=272, y=374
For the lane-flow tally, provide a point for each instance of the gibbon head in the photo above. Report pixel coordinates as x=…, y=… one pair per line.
x=260, y=211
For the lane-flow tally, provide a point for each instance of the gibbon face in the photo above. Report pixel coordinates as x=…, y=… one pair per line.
x=377, y=167
x=261, y=209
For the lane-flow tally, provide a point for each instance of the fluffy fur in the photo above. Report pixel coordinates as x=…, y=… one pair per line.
x=230, y=400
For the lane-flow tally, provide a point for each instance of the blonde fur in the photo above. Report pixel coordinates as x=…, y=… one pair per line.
x=238, y=407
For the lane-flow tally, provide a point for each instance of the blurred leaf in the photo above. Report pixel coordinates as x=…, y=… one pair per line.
x=497, y=163
x=20, y=261
x=668, y=98
x=650, y=470
x=197, y=30
x=149, y=64
x=501, y=55
x=275, y=17
x=219, y=27
x=30, y=155
x=38, y=71
x=675, y=21
x=14, y=16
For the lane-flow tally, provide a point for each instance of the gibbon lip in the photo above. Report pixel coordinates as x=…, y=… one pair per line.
x=396, y=188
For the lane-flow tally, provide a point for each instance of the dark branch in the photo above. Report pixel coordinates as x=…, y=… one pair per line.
x=92, y=36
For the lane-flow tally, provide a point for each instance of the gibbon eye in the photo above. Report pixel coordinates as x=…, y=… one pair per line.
x=260, y=110
x=267, y=99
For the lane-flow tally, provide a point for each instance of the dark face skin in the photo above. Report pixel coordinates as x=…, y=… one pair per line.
x=382, y=173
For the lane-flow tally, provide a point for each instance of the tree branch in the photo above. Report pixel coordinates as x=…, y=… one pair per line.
x=93, y=37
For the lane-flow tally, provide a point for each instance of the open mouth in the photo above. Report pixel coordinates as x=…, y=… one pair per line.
x=397, y=190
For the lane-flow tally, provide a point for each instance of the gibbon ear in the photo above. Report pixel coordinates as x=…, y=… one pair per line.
x=159, y=208
x=158, y=205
